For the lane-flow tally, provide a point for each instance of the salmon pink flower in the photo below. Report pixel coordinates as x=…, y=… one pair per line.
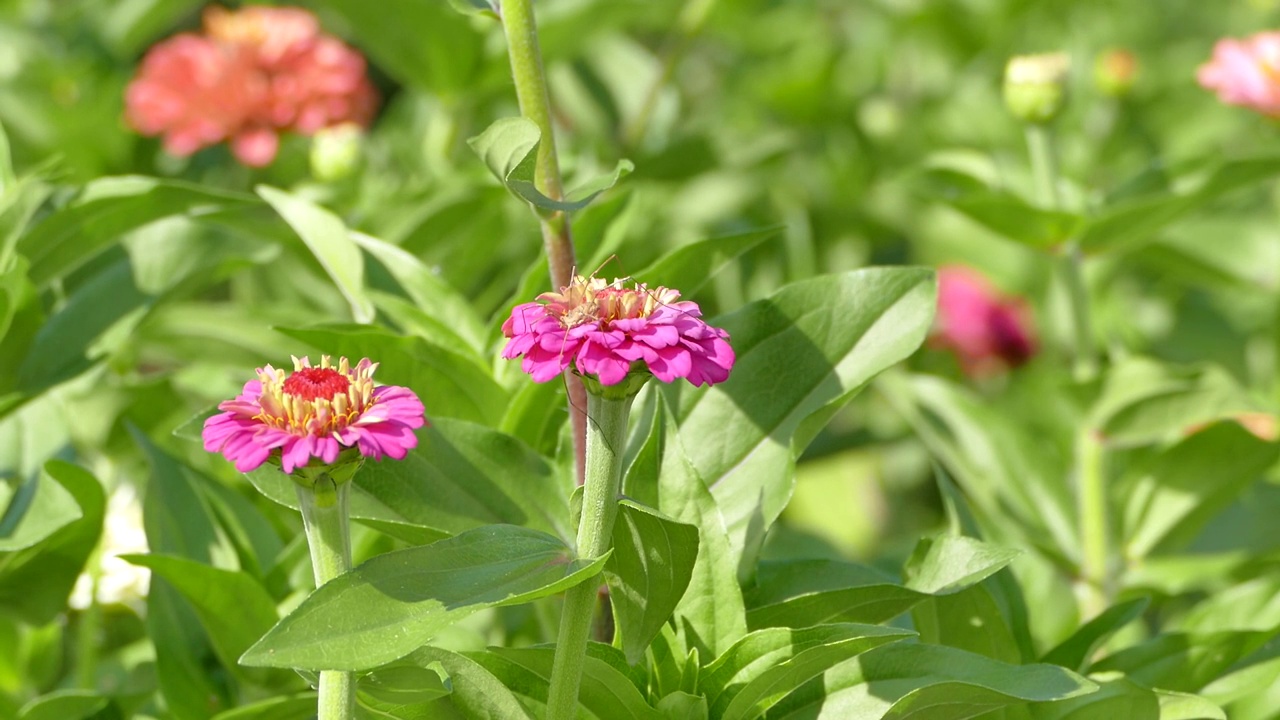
x=983, y=329
x=609, y=332
x=314, y=412
x=252, y=75
x=1246, y=72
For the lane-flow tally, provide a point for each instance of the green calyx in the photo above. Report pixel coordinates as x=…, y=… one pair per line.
x=629, y=386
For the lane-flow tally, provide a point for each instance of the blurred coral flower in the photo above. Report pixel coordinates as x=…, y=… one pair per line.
x=314, y=412
x=611, y=332
x=252, y=74
x=987, y=332
x=1246, y=72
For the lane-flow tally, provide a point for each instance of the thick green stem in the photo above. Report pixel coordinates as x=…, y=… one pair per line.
x=324, y=515
x=557, y=236
x=1071, y=264
x=1094, y=534
x=606, y=438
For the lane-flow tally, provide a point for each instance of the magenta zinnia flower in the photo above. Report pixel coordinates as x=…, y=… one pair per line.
x=607, y=331
x=314, y=412
x=985, y=330
x=1246, y=72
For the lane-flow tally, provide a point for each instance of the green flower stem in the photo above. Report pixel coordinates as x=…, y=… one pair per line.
x=1071, y=265
x=606, y=437
x=557, y=237
x=1094, y=535
x=324, y=515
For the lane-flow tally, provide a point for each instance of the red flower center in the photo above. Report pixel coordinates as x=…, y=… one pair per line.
x=312, y=383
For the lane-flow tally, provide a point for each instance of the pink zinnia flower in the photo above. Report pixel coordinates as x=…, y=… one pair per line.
x=1246, y=72
x=984, y=330
x=314, y=412
x=252, y=75
x=607, y=331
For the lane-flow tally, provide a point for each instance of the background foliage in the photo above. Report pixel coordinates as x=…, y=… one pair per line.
x=814, y=137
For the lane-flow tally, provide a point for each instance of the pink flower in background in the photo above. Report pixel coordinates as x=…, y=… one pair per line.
x=1246, y=72
x=314, y=412
x=608, y=331
x=984, y=330
x=252, y=75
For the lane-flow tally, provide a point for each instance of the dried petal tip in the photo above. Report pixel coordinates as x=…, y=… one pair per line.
x=315, y=412
x=610, y=334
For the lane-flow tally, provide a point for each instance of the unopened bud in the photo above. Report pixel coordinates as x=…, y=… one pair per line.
x=1035, y=86
x=1115, y=71
x=336, y=151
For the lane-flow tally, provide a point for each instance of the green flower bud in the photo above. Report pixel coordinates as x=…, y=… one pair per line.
x=1115, y=71
x=336, y=152
x=1035, y=86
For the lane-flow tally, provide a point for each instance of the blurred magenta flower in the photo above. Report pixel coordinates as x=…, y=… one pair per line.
x=314, y=412
x=1246, y=72
x=987, y=332
x=253, y=74
x=610, y=331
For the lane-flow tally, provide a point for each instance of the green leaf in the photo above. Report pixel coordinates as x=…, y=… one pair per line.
x=288, y=707
x=1184, y=662
x=449, y=384
x=475, y=7
x=1183, y=706
x=999, y=211
x=683, y=706
x=459, y=477
x=64, y=705
x=1116, y=698
x=764, y=666
x=1170, y=502
x=605, y=692
x=912, y=680
x=36, y=581
x=396, y=602
x=648, y=572
x=828, y=336
x=807, y=592
x=34, y=512
x=689, y=267
x=1075, y=652
x=108, y=208
x=403, y=690
x=1129, y=224
x=326, y=236
x=233, y=608
x=476, y=693
x=1144, y=401
x=509, y=148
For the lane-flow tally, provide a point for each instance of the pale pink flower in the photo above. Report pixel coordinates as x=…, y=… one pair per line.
x=607, y=331
x=985, y=330
x=253, y=74
x=314, y=412
x=1246, y=72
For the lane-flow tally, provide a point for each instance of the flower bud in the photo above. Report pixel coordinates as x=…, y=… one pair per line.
x=1115, y=71
x=336, y=152
x=1035, y=86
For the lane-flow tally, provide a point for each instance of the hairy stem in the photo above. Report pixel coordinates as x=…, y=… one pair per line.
x=606, y=438
x=324, y=515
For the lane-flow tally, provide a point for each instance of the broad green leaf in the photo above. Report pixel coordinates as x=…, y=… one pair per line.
x=1170, y=501
x=36, y=581
x=459, y=477
x=764, y=666
x=34, y=512
x=913, y=680
x=1129, y=224
x=1185, y=662
x=301, y=706
x=683, y=706
x=1116, y=698
x=605, y=692
x=808, y=592
x=1076, y=651
x=403, y=690
x=396, y=602
x=509, y=147
x=233, y=608
x=326, y=236
x=828, y=336
x=21, y=319
x=108, y=208
x=1000, y=211
x=1144, y=401
x=64, y=705
x=1184, y=706
x=18, y=204
x=689, y=267
x=476, y=693
x=449, y=384
x=535, y=414
x=648, y=572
